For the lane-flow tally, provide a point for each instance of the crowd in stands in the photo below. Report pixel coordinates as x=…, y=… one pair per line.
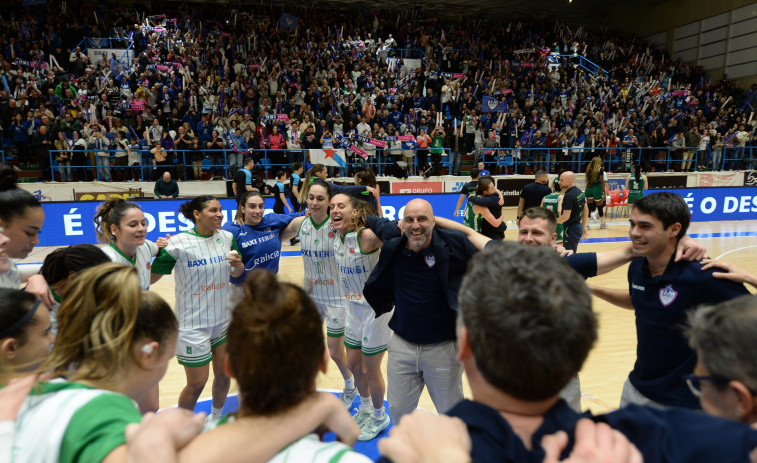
x=201, y=80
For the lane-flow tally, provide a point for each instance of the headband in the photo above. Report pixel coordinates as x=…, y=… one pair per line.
x=21, y=322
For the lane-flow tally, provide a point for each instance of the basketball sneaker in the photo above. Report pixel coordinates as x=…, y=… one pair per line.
x=371, y=428
x=361, y=417
x=603, y=226
x=595, y=216
x=348, y=396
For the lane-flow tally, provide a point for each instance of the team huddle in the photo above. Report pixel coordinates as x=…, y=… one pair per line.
x=426, y=289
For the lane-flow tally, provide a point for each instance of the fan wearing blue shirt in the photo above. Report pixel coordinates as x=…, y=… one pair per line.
x=662, y=292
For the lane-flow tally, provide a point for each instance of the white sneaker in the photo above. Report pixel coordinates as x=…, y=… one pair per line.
x=371, y=428
x=361, y=417
x=603, y=226
x=348, y=396
x=595, y=216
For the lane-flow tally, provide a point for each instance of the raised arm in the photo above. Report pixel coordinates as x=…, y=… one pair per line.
x=618, y=297
x=292, y=229
x=477, y=239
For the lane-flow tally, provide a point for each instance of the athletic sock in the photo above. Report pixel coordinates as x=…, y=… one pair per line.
x=601, y=210
x=379, y=413
x=366, y=405
x=216, y=413
x=349, y=383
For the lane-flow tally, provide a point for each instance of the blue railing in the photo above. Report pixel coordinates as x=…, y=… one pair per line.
x=499, y=161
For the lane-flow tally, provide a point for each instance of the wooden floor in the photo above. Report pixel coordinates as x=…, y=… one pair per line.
x=608, y=365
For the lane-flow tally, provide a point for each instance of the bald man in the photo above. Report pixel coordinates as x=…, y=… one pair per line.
x=574, y=212
x=419, y=274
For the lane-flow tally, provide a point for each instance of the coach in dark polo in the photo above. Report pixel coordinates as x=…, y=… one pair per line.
x=532, y=194
x=419, y=273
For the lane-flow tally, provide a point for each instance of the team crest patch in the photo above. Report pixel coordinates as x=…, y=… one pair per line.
x=668, y=295
x=430, y=261
x=219, y=240
x=352, y=250
x=148, y=265
x=317, y=242
x=331, y=235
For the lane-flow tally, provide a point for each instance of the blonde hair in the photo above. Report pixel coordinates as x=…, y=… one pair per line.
x=104, y=312
x=309, y=178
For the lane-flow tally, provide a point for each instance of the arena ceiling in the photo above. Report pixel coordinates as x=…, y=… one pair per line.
x=593, y=12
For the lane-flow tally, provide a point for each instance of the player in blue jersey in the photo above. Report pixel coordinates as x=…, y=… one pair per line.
x=259, y=235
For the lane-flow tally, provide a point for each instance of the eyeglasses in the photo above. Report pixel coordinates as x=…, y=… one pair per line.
x=695, y=383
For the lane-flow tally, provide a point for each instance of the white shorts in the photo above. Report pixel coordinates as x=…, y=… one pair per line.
x=362, y=330
x=194, y=346
x=334, y=314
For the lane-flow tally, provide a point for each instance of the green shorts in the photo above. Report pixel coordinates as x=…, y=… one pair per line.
x=595, y=192
x=634, y=196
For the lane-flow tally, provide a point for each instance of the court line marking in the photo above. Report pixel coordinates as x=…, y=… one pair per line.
x=734, y=250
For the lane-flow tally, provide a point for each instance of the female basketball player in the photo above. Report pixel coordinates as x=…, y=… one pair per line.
x=118, y=340
x=204, y=262
x=21, y=219
x=25, y=333
x=259, y=236
x=595, y=189
x=122, y=226
x=365, y=336
x=277, y=324
x=321, y=279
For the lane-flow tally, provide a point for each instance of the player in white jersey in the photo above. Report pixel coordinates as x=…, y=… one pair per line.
x=123, y=227
x=356, y=251
x=119, y=340
x=21, y=219
x=204, y=259
x=322, y=278
x=275, y=323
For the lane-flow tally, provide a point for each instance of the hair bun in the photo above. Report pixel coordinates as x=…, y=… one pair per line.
x=8, y=177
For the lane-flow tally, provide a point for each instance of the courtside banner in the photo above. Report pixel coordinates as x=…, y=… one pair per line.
x=69, y=223
x=727, y=203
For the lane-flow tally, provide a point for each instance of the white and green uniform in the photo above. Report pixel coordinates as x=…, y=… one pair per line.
x=309, y=449
x=362, y=330
x=203, y=291
x=552, y=202
x=65, y=422
x=636, y=189
x=11, y=278
x=142, y=261
x=321, y=273
x=202, y=276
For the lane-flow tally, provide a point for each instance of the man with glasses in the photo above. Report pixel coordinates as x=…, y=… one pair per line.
x=725, y=378
x=662, y=292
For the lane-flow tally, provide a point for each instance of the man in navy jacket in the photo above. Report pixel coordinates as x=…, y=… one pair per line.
x=419, y=273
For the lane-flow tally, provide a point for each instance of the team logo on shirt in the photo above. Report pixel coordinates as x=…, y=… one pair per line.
x=668, y=295
x=331, y=235
x=352, y=250
x=148, y=265
x=430, y=261
x=219, y=240
x=316, y=242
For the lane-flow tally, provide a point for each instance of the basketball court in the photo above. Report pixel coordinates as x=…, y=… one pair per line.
x=612, y=358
